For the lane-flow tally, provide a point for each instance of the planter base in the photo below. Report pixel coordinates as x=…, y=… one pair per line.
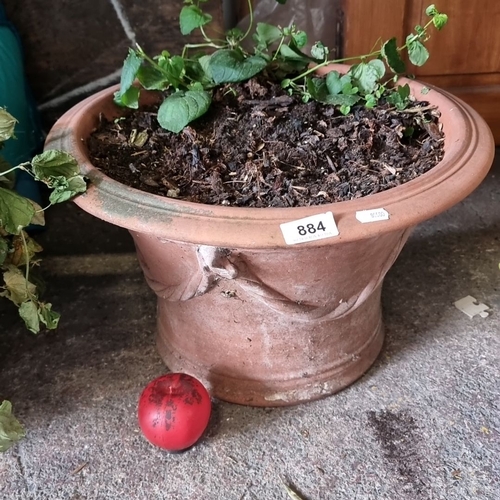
x=291, y=375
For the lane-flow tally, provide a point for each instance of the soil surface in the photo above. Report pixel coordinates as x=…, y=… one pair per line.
x=259, y=147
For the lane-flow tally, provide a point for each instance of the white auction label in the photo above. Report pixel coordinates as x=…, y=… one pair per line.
x=311, y=228
x=373, y=215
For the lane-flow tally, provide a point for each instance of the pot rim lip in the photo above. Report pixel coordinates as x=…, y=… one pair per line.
x=469, y=151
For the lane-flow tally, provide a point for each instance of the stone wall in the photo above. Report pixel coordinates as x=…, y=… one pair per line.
x=74, y=47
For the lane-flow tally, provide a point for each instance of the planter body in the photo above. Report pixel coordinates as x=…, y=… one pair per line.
x=259, y=321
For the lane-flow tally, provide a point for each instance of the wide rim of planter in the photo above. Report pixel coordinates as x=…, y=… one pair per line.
x=469, y=152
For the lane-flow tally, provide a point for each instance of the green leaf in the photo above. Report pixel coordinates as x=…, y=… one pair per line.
x=431, y=10
x=230, y=66
x=416, y=51
x=205, y=63
x=65, y=189
x=16, y=211
x=47, y=316
x=192, y=17
x=151, y=79
x=370, y=101
x=334, y=83
x=129, y=99
x=288, y=53
x=300, y=39
x=399, y=96
x=7, y=125
x=378, y=66
x=29, y=313
x=130, y=68
x=317, y=88
x=17, y=288
x=11, y=430
x=181, y=108
x=4, y=249
x=391, y=54
x=404, y=91
x=319, y=51
x=345, y=109
x=266, y=34
x=440, y=20
x=365, y=76
x=53, y=163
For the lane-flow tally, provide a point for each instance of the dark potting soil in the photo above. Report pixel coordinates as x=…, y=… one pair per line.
x=259, y=147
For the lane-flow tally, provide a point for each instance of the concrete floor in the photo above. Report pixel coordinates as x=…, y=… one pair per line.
x=423, y=423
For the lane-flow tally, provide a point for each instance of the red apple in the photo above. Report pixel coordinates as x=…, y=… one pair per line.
x=174, y=411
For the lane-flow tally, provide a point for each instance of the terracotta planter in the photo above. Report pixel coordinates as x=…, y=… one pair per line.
x=259, y=321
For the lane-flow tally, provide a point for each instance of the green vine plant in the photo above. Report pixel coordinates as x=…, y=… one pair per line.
x=18, y=251
x=277, y=53
x=19, y=283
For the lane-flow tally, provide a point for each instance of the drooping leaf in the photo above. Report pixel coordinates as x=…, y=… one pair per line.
x=47, y=316
x=181, y=108
x=23, y=251
x=287, y=52
x=129, y=99
x=65, y=189
x=192, y=17
x=16, y=211
x=230, y=66
x=17, y=288
x=266, y=34
x=29, y=313
x=391, y=55
x=417, y=52
x=54, y=163
x=39, y=217
x=11, y=430
x=131, y=65
x=7, y=125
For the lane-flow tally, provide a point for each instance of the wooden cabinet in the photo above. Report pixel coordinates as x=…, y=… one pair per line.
x=465, y=56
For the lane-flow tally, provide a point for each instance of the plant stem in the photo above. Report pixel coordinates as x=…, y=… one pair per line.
x=13, y=169
x=27, y=260
x=250, y=26
x=371, y=54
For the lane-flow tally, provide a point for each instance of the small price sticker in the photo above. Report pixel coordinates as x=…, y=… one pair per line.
x=372, y=215
x=311, y=228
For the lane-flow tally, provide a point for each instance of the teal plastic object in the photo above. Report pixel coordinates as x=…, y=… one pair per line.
x=15, y=97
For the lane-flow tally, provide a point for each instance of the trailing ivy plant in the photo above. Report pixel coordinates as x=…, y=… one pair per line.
x=18, y=251
x=277, y=53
